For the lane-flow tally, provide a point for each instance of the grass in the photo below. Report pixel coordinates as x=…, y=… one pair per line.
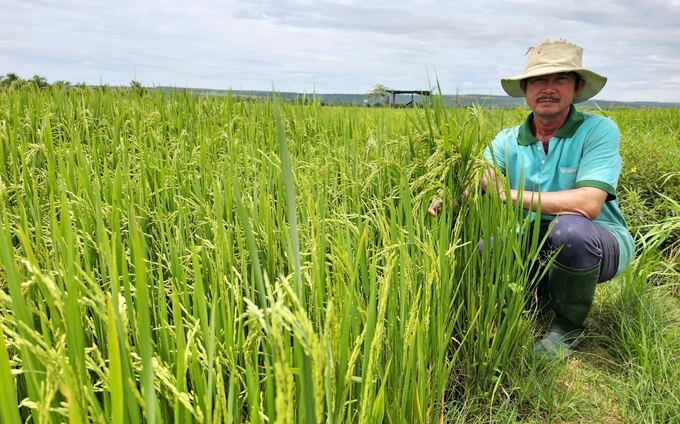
x=181, y=258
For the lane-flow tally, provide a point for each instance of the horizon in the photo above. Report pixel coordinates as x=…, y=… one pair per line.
x=457, y=94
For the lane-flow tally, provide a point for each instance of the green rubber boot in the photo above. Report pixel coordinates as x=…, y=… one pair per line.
x=571, y=297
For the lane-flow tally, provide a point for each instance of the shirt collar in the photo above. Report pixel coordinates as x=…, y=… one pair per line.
x=573, y=122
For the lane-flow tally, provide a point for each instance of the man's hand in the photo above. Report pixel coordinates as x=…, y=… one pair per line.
x=436, y=207
x=491, y=183
x=437, y=203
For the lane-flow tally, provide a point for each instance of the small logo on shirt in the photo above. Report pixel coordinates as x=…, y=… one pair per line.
x=568, y=170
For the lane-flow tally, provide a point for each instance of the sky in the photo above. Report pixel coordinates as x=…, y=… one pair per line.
x=338, y=46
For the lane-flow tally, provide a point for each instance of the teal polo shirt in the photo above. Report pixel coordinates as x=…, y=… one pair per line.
x=584, y=153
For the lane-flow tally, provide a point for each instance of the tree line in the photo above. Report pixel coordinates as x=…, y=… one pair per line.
x=13, y=80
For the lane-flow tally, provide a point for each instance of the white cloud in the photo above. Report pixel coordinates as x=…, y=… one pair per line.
x=338, y=46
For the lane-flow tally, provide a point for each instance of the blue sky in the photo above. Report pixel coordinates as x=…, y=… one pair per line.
x=338, y=46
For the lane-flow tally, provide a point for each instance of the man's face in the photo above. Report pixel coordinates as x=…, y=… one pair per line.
x=550, y=95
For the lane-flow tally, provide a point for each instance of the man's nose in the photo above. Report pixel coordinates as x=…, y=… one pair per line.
x=549, y=86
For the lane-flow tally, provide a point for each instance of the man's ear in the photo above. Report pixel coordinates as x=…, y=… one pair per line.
x=523, y=86
x=579, y=86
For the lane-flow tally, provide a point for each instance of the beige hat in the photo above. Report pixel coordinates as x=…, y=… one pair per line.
x=553, y=57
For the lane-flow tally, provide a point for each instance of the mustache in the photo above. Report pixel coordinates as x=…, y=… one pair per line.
x=548, y=97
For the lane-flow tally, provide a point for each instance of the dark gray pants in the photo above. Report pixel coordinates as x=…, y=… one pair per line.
x=584, y=244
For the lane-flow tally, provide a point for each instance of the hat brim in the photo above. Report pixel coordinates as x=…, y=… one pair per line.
x=594, y=82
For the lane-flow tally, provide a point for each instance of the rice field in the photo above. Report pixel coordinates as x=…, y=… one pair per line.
x=180, y=258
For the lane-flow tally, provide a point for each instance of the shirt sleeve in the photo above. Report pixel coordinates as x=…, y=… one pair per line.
x=601, y=162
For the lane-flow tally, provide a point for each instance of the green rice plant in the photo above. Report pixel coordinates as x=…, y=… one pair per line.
x=175, y=257
x=9, y=411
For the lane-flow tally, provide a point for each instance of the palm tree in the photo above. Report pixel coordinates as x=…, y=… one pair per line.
x=81, y=87
x=39, y=82
x=137, y=87
x=12, y=79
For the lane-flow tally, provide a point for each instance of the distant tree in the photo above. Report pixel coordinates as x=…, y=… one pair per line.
x=39, y=82
x=82, y=87
x=137, y=87
x=379, y=91
x=12, y=79
x=61, y=83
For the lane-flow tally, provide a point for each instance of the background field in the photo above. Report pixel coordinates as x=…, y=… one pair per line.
x=175, y=257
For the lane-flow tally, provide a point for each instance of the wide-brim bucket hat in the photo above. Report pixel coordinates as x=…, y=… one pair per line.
x=552, y=57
